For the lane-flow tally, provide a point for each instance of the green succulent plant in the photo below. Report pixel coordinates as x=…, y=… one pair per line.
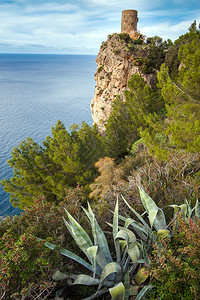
x=157, y=227
x=108, y=274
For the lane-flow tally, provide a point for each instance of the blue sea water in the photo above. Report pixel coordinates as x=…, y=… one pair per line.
x=35, y=92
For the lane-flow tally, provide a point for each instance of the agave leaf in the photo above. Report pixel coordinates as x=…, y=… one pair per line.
x=71, y=255
x=115, y=219
x=140, y=229
x=142, y=293
x=97, y=294
x=147, y=201
x=80, y=236
x=92, y=252
x=184, y=209
x=150, y=205
x=113, y=269
x=103, y=255
x=122, y=234
x=197, y=209
x=142, y=275
x=127, y=285
x=115, y=232
x=189, y=209
x=57, y=275
x=123, y=245
x=131, y=236
x=134, y=253
x=136, y=214
x=162, y=233
x=152, y=216
x=86, y=280
x=117, y=292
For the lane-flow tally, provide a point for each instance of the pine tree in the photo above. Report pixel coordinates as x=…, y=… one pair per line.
x=65, y=160
x=180, y=129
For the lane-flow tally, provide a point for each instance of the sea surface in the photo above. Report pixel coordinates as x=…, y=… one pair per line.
x=35, y=92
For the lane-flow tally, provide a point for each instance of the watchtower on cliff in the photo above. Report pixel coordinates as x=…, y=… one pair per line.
x=129, y=22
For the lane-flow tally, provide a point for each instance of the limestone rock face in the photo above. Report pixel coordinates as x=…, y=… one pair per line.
x=117, y=61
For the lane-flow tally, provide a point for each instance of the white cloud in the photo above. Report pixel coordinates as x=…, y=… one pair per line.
x=85, y=24
x=167, y=30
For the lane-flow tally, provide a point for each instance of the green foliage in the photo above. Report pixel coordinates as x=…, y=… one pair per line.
x=124, y=37
x=127, y=119
x=26, y=265
x=117, y=51
x=63, y=161
x=108, y=275
x=100, y=69
x=181, y=96
x=175, y=267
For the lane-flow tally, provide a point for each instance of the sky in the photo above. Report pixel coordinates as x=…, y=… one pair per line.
x=80, y=26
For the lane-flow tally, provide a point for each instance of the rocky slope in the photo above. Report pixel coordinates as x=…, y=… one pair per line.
x=118, y=59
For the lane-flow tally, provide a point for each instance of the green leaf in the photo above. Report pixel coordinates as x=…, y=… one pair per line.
x=142, y=275
x=117, y=292
x=156, y=214
x=71, y=255
x=103, y=255
x=162, y=233
x=97, y=294
x=113, y=269
x=197, y=209
x=57, y=275
x=184, y=209
x=92, y=252
x=140, y=229
x=127, y=285
x=86, y=280
x=115, y=232
x=134, y=253
x=142, y=293
x=152, y=216
x=79, y=234
x=135, y=213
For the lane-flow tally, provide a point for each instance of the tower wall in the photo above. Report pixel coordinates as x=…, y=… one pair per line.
x=129, y=21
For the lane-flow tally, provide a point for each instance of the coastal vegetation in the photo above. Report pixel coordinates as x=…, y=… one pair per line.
x=141, y=180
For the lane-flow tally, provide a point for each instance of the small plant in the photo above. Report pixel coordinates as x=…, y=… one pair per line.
x=100, y=69
x=117, y=51
x=103, y=46
x=175, y=267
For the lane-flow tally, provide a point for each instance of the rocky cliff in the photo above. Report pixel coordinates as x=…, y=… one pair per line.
x=118, y=59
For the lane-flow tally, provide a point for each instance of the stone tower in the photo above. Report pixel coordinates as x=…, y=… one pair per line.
x=129, y=22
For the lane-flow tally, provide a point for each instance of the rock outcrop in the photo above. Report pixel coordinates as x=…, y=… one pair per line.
x=118, y=59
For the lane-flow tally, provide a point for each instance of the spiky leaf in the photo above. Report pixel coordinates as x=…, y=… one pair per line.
x=117, y=292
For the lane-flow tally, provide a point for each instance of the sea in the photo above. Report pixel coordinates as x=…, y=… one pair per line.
x=35, y=92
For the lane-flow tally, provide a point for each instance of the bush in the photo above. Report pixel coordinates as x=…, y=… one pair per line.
x=175, y=268
x=26, y=265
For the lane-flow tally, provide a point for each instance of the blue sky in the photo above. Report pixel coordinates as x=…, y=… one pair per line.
x=79, y=27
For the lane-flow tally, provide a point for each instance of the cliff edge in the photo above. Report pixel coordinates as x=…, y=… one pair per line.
x=118, y=59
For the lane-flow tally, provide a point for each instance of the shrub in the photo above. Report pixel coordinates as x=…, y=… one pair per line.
x=175, y=268
x=26, y=265
x=117, y=51
x=100, y=68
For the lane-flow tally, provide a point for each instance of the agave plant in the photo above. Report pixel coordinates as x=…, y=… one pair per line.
x=186, y=211
x=150, y=234
x=107, y=274
x=157, y=227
